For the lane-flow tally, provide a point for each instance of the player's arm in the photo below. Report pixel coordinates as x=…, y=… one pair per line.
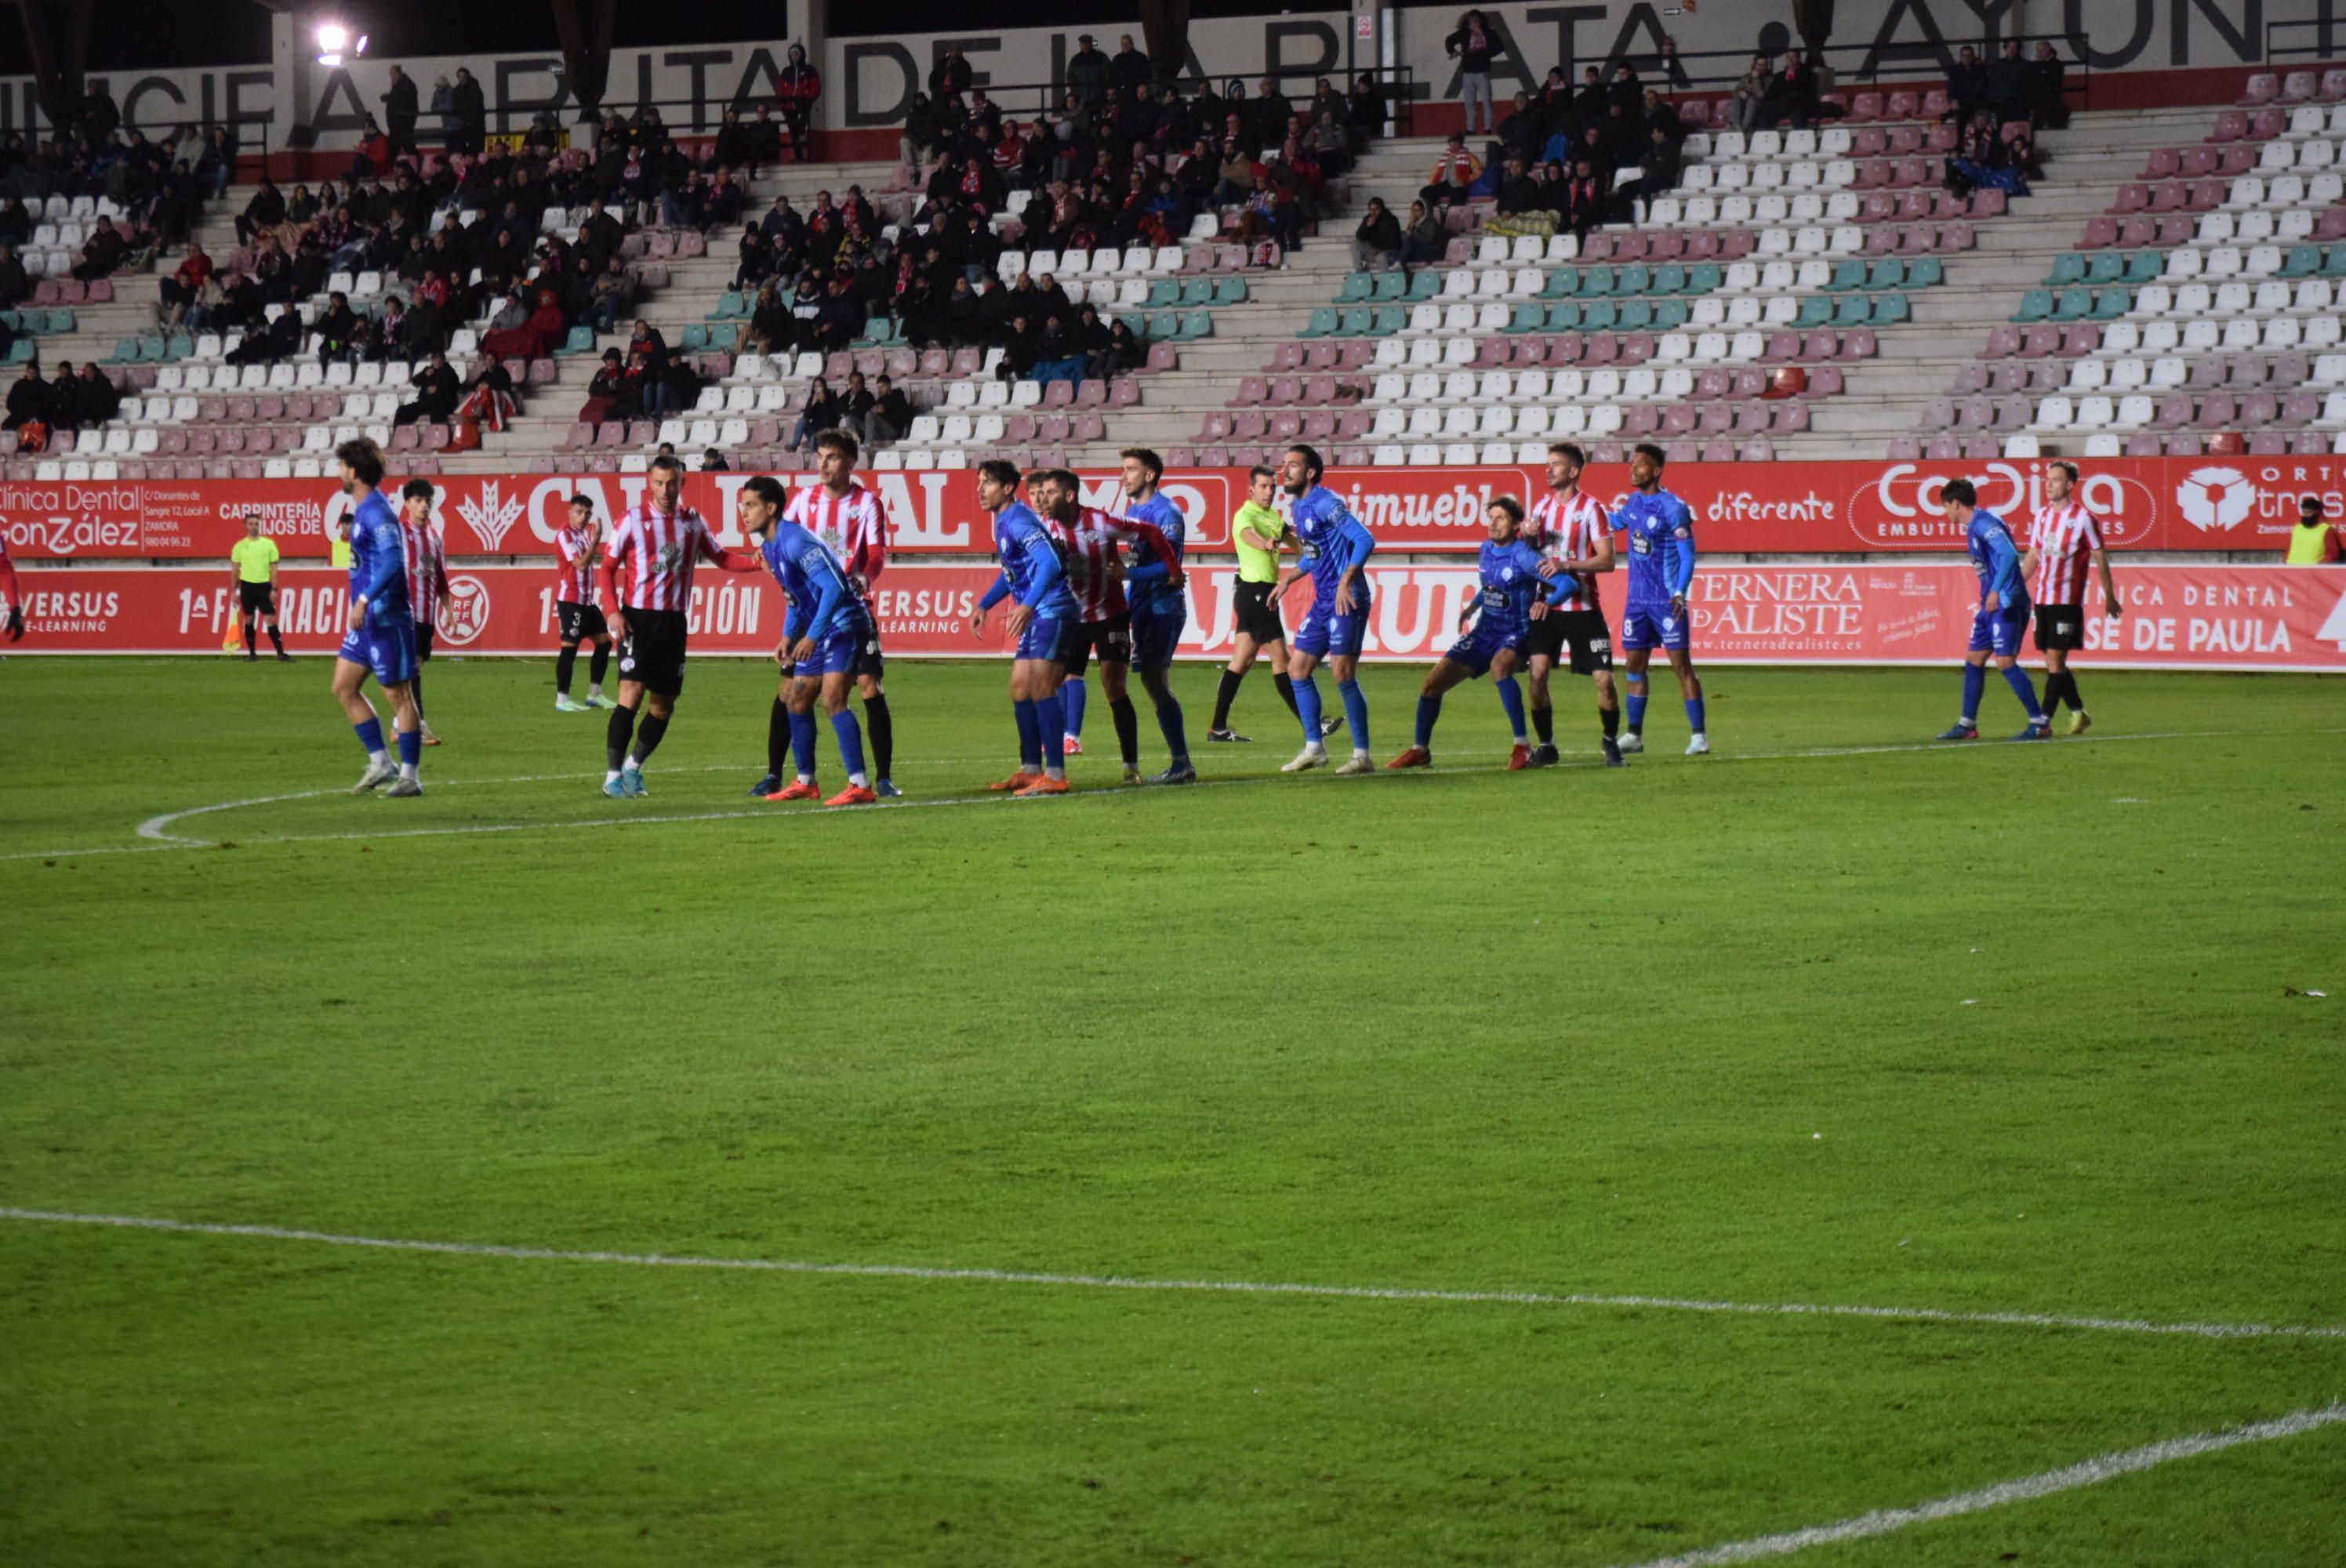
x=2005, y=584
x=995, y=591
x=1254, y=541
x=1357, y=544
x=717, y=556
x=830, y=597
x=2109, y=590
x=871, y=550
x=606, y=581
x=1681, y=562
x=274, y=555
x=16, y=596
x=1165, y=563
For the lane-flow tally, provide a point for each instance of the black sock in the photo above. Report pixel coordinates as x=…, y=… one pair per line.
x=1610, y=717
x=564, y=663
x=1222, y=697
x=602, y=662
x=275, y=640
x=614, y=740
x=1287, y=692
x=648, y=739
x=778, y=739
x=1127, y=729
x=247, y=638
x=2069, y=691
x=1544, y=724
x=882, y=729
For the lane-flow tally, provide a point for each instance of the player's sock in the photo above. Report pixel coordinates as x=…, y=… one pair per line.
x=2068, y=679
x=1286, y=695
x=1975, y=683
x=851, y=743
x=1610, y=717
x=277, y=641
x=1073, y=695
x=1694, y=714
x=803, y=744
x=1510, y=698
x=1428, y=709
x=884, y=731
x=1306, y=704
x=1637, y=712
x=416, y=691
x=1127, y=729
x=411, y=751
x=777, y=737
x=564, y=663
x=371, y=737
x=1356, y=714
x=248, y=639
x=1543, y=723
x=1224, y=696
x=1177, y=735
x=1030, y=735
x=1051, y=717
x=615, y=738
x=647, y=740
x=601, y=662
x=2018, y=678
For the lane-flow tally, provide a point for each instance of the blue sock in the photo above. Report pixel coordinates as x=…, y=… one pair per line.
x=411, y=746
x=1635, y=703
x=1051, y=718
x=1694, y=714
x=1511, y=697
x=1030, y=736
x=802, y=743
x=1429, y=711
x=1307, y=707
x=2018, y=678
x=1356, y=713
x=1177, y=737
x=1974, y=683
x=1073, y=694
x=851, y=740
x=371, y=736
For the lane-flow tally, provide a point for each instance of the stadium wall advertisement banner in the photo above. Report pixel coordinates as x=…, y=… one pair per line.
x=1882, y=612
x=1743, y=508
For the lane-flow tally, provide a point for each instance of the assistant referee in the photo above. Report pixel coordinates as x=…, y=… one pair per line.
x=1258, y=534
x=253, y=560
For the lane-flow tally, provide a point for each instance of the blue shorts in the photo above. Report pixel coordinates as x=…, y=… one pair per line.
x=1648, y=629
x=837, y=652
x=1478, y=647
x=1324, y=634
x=1050, y=638
x=2000, y=633
x=388, y=649
x=1156, y=634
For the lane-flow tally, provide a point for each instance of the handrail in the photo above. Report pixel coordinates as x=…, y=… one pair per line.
x=2325, y=37
x=1909, y=62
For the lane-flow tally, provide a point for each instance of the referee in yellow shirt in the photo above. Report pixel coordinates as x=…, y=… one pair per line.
x=1258, y=532
x=253, y=559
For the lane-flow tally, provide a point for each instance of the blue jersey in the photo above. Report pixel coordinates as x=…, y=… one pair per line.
x=1034, y=566
x=1334, y=544
x=379, y=560
x=1660, y=528
x=822, y=601
x=1146, y=585
x=1510, y=581
x=1988, y=542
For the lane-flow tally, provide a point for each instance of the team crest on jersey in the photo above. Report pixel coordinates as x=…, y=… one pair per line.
x=669, y=558
x=491, y=517
x=463, y=611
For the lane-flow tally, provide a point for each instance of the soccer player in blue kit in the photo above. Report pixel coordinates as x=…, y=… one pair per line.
x=1336, y=550
x=1512, y=594
x=381, y=637
x=1160, y=606
x=1042, y=617
x=2002, y=619
x=825, y=632
x=1660, y=529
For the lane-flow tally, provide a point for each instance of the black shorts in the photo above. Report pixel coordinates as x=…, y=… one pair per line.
x=1258, y=616
x=1580, y=637
x=2061, y=627
x=581, y=623
x=257, y=598
x=652, y=653
x=424, y=632
x=1110, y=638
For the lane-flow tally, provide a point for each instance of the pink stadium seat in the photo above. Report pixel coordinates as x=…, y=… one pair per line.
x=1630, y=247
x=2262, y=88
x=2266, y=124
x=2229, y=162
x=1058, y=394
x=1667, y=246
x=1702, y=246
x=1289, y=356
x=1864, y=107
x=1597, y=247
x=2165, y=163
x=1935, y=102
x=2039, y=340
x=1902, y=105
x=2231, y=126
x=1640, y=421
x=1092, y=394
x=2101, y=233
x=2199, y=162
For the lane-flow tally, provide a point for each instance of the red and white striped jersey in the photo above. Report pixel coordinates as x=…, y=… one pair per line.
x=2065, y=538
x=658, y=551
x=581, y=554
x=1569, y=529
x=853, y=527
x=1095, y=544
x=427, y=569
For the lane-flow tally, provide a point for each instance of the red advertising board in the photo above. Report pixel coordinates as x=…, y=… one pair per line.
x=1745, y=508
x=1880, y=612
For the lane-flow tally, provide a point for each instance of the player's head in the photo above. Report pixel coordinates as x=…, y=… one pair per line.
x=1142, y=471
x=361, y=462
x=1302, y=470
x=1504, y=515
x=1066, y=490
x=759, y=503
x=1645, y=466
x=997, y=484
x=1960, y=500
x=668, y=481
x=835, y=452
x=2060, y=479
x=582, y=509
x=253, y=525
x=415, y=500
x=1261, y=482
x=1042, y=490
x=2308, y=508
x=1565, y=462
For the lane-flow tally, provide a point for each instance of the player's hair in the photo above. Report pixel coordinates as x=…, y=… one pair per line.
x=767, y=491
x=364, y=458
x=1510, y=505
x=1570, y=448
x=1648, y=449
x=1147, y=458
x=840, y=441
x=1065, y=479
x=580, y=498
x=1310, y=460
x=1001, y=470
x=2065, y=466
x=1960, y=492
x=1262, y=471
x=416, y=490
x=666, y=460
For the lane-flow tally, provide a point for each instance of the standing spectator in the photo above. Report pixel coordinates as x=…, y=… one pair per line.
x=1377, y=241
x=1455, y=170
x=1473, y=45
x=2312, y=543
x=795, y=93
x=398, y=111
x=952, y=76
x=444, y=105
x=469, y=111
x=1088, y=73
x=920, y=133
x=2048, y=109
x=2007, y=83
x=1130, y=70
x=1966, y=88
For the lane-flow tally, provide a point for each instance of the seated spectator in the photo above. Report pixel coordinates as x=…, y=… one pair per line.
x=610, y=395
x=1238, y=175
x=1377, y=241
x=1792, y=93
x=1329, y=145
x=543, y=331
x=1658, y=173
x=490, y=402
x=2048, y=108
x=648, y=363
x=340, y=330
x=1118, y=349
x=855, y=400
x=96, y=394
x=179, y=290
x=1518, y=192
x=1455, y=170
x=28, y=399
x=436, y=392
x=769, y=328
x=1983, y=159
x=1364, y=110
x=821, y=412
x=16, y=220
x=264, y=213
x=1022, y=343
x=891, y=414
x=615, y=296
x=1750, y=99
x=16, y=284
x=1423, y=241
x=1589, y=198
x=103, y=253
x=1270, y=214
x=280, y=339
x=713, y=462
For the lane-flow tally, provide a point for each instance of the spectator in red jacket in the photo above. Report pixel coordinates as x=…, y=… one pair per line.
x=794, y=95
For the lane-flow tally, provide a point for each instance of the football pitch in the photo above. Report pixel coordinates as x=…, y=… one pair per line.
x=1708, y=1160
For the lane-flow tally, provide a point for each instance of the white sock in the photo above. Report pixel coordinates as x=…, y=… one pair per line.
x=377, y=758
x=1359, y=753
x=611, y=776
x=1060, y=774
x=859, y=780
x=807, y=779
x=407, y=771
x=635, y=765
x=594, y=689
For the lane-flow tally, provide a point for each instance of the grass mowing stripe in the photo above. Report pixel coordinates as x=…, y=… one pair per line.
x=2069, y=1478
x=1221, y=1287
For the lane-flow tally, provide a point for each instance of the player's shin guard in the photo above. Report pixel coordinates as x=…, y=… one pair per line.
x=802, y=743
x=777, y=737
x=2018, y=678
x=1224, y=694
x=1428, y=711
x=614, y=740
x=1073, y=695
x=648, y=739
x=1543, y=723
x=370, y=736
x=1030, y=735
x=1286, y=695
x=1051, y=717
x=1128, y=731
x=851, y=743
x=1306, y=704
x=1356, y=713
x=565, y=662
x=1636, y=696
x=1975, y=683
x=882, y=725
x=1510, y=698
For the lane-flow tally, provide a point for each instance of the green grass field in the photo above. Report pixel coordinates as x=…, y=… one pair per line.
x=1986, y=1030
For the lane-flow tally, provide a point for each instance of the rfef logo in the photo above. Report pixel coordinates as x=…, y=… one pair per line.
x=2215, y=498
x=463, y=611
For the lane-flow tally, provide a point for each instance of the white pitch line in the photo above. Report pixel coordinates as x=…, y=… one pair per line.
x=2069, y=1478
x=1213, y=1286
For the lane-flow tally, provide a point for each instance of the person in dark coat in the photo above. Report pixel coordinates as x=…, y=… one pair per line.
x=28, y=399
x=399, y=109
x=470, y=110
x=436, y=391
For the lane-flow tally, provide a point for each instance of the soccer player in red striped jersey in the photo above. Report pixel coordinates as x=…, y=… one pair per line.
x=427, y=582
x=851, y=522
x=1570, y=529
x=1094, y=543
x=578, y=546
x=15, y=594
x=648, y=579
x=2063, y=540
